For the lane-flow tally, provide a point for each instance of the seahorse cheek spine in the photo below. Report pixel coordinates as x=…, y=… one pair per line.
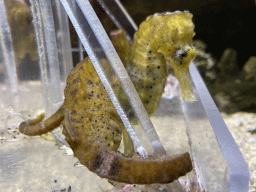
x=178, y=50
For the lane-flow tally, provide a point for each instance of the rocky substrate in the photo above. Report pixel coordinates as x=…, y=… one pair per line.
x=242, y=126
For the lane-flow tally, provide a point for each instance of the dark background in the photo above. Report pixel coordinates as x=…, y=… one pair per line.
x=219, y=23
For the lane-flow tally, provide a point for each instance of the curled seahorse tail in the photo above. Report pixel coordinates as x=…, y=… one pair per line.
x=98, y=158
x=139, y=171
x=36, y=127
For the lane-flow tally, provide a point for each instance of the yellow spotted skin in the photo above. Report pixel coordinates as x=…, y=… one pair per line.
x=93, y=128
x=90, y=110
x=91, y=124
x=161, y=39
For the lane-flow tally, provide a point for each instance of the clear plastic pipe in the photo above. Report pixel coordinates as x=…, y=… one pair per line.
x=8, y=55
x=120, y=17
x=63, y=39
x=48, y=56
x=238, y=168
x=204, y=112
x=107, y=65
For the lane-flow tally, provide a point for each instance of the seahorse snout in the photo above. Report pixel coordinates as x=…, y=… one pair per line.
x=183, y=76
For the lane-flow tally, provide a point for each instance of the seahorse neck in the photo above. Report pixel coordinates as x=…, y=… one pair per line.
x=144, y=50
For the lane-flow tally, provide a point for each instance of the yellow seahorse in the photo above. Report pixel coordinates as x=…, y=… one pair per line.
x=21, y=26
x=91, y=124
x=162, y=38
x=22, y=32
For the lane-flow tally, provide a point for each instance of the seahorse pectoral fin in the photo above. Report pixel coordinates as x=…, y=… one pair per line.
x=185, y=81
x=36, y=127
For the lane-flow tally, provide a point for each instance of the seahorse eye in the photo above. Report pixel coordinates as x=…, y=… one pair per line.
x=183, y=55
x=180, y=55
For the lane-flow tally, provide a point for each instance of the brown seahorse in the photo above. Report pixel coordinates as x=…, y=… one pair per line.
x=91, y=124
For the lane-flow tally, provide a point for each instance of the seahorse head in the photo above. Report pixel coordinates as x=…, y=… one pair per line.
x=177, y=30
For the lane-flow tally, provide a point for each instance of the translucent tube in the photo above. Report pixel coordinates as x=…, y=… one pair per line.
x=206, y=113
x=62, y=39
x=119, y=16
x=48, y=56
x=107, y=65
x=8, y=56
x=202, y=117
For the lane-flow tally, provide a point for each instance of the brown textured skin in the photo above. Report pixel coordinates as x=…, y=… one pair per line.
x=107, y=164
x=36, y=127
x=93, y=130
x=93, y=117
